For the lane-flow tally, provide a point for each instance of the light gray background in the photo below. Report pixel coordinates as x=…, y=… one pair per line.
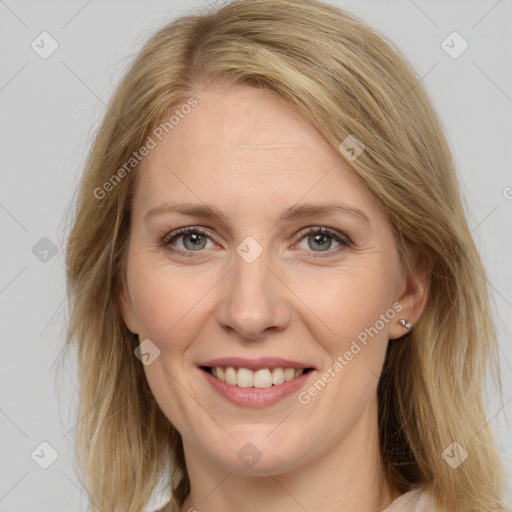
x=49, y=111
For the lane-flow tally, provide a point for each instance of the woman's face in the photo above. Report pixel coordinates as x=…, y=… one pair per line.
x=275, y=281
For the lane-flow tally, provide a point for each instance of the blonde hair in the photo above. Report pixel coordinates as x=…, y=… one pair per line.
x=347, y=80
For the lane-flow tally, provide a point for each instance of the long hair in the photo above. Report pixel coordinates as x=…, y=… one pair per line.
x=347, y=80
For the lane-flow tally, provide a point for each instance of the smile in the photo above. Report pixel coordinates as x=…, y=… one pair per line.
x=260, y=378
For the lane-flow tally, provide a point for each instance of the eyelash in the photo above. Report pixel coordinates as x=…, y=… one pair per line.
x=343, y=240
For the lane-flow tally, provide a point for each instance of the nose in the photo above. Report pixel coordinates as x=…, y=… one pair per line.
x=254, y=299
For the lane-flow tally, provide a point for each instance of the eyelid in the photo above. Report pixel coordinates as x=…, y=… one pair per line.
x=185, y=230
x=341, y=238
x=324, y=230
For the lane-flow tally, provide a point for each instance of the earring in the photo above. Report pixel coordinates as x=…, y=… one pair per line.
x=406, y=323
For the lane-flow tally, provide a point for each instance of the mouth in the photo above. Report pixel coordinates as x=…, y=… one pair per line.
x=261, y=378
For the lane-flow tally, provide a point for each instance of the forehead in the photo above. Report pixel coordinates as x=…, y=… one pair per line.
x=245, y=146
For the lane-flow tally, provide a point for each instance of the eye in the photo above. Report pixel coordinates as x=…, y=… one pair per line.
x=320, y=239
x=189, y=240
x=193, y=239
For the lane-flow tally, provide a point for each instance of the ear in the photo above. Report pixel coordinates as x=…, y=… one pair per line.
x=412, y=294
x=126, y=308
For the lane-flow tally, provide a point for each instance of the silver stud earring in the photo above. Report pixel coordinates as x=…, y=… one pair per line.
x=406, y=323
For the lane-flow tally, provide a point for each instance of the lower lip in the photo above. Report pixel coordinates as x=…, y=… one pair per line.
x=256, y=397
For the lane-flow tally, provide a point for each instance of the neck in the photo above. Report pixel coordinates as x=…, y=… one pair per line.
x=347, y=478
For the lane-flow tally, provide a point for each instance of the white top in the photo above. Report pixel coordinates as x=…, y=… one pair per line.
x=412, y=501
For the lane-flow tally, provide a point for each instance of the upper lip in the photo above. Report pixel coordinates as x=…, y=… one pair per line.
x=255, y=364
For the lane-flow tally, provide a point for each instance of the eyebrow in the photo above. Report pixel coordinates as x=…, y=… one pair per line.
x=205, y=211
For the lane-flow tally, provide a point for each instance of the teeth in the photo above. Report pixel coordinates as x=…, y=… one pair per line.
x=230, y=376
x=289, y=373
x=264, y=378
x=244, y=378
x=277, y=376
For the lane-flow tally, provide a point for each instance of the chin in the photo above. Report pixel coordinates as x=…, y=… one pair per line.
x=258, y=453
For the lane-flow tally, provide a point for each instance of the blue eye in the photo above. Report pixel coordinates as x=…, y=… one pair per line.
x=322, y=238
x=195, y=239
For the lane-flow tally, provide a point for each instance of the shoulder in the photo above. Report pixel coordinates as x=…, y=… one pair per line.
x=416, y=500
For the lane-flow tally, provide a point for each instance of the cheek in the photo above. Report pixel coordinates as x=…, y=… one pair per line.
x=350, y=300
x=169, y=305
x=166, y=300
x=355, y=309
x=352, y=313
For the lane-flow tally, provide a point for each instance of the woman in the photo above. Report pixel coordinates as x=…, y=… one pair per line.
x=273, y=287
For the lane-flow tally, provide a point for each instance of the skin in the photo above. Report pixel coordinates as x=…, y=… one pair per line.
x=252, y=155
